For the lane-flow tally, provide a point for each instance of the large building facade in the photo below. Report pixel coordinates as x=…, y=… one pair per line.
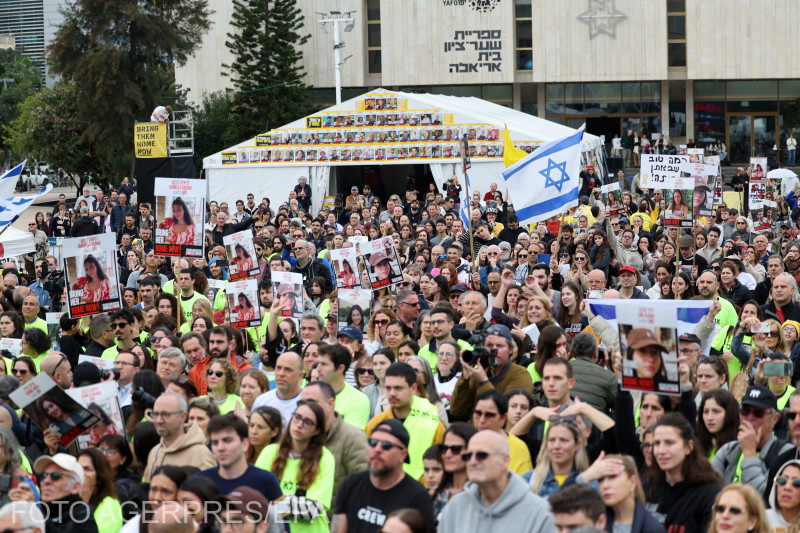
x=32, y=24
x=692, y=69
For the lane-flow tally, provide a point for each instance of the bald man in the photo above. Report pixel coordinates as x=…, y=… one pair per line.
x=30, y=312
x=288, y=386
x=56, y=365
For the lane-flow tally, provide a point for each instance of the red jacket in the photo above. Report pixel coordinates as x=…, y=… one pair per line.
x=198, y=371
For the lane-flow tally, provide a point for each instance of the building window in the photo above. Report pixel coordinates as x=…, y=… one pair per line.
x=524, y=34
x=676, y=33
x=374, y=36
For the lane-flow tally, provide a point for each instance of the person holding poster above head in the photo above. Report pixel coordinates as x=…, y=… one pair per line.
x=287, y=290
x=243, y=261
x=245, y=309
x=94, y=283
x=645, y=351
x=180, y=226
x=678, y=210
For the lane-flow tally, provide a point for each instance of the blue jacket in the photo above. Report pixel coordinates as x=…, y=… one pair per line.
x=643, y=521
x=551, y=486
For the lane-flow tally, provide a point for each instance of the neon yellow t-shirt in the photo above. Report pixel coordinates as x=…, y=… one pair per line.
x=353, y=405
x=108, y=516
x=320, y=491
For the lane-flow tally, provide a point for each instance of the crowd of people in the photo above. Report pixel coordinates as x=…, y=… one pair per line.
x=480, y=392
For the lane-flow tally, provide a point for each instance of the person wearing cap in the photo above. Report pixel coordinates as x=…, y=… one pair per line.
x=701, y=198
x=501, y=374
x=687, y=256
x=496, y=499
x=381, y=267
x=352, y=338
x=491, y=217
x=419, y=416
x=589, y=181
x=645, y=354
x=749, y=458
x=61, y=478
x=310, y=267
x=628, y=278
x=353, y=197
x=352, y=404
x=367, y=498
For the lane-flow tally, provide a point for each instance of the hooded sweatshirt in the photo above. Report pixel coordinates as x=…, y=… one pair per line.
x=188, y=450
x=779, y=524
x=517, y=509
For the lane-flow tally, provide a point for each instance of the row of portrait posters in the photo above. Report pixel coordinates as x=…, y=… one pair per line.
x=180, y=205
x=90, y=268
x=378, y=257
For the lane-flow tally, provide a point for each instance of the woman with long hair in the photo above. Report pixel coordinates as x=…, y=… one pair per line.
x=579, y=270
x=355, y=317
x=740, y=509
x=677, y=209
x=99, y=491
x=164, y=487
x=41, y=224
x=426, y=386
x=193, y=495
x=790, y=330
x=435, y=289
x=252, y=384
x=376, y=331
x=12, y=325
x=600, y=253
x=381, y=361
x=94, y=283
x=456, y=439
x=553, y=342
x=151, y=384
x=347, y=276
x=396, y=333
x=711, y=374
x=513, y=301
x=646, y=248
x=201, y=308
x=317, y=293
x=242, y=259
x=223, y=382
x=24, y=369
x=302, y=464
x=718, y=423
x=569, y=313
x=730, y=287
x=60, y=224
x=167, y=303
x=423, y=330
x=562, y=458
x=762, y=342
x=363, y=372
x=244, y=310
x=265, y=426
x=685, y=484
x=681, y=287
x=180, y=225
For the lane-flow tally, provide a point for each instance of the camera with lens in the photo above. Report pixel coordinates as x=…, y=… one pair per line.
x=7, y=482
x=54, y=286
x=479, y=354
x=144, y=398
x=108, y=372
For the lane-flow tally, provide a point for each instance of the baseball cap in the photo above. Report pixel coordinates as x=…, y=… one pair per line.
x=377, y=257
x=641, y=337
x=628, y=268
x=759, y=397
x=354, y=188
x=286, y=288
x=733, y=211
x=351, y=332
x=459, y=287
x=62, y=460
x=501, y=330
x=690, y=337
x=785, y=225
x=247, y=500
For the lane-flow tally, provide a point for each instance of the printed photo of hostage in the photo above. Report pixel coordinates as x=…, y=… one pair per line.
x=290, y=294
x=354, y=308
x=384, y=265
x=90, y=270
x=650, y=359
x=180, y=227
x=242, y=300
x=242, y=307
x=241, y=248
x=94, y=285
x=703, y=200
x=678, y=208
x=179, y=205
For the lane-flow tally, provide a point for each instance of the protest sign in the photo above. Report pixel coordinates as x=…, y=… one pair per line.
x=216, y=294
x=658, y=171
x=678, y=206
x=289, y=285
x=612, y=198
x=240, y=248
x=345, y=267
x=180, y=205
x=695, y=155
x=90, y=268
x=242, y=297
x=99, y=362
x=52, y=408
x=354, y=308
x=101, y=400
x=10, y=347
x=758, y=168
x=382, y=262
x=702, y=178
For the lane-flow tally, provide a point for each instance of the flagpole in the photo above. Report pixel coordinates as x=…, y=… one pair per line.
x=469, y=219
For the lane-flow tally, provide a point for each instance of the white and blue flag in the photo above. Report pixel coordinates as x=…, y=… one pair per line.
x=8, y=181
x=546, y=182
x=12, y=208
x=464, y=212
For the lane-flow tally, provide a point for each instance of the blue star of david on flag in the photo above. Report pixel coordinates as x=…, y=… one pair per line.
x=547, y=182
x=12, y=208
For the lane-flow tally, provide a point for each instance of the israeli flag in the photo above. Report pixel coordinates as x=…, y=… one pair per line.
x=546, y=182
x=12, y=208
x=464, y=212
x=8, y=181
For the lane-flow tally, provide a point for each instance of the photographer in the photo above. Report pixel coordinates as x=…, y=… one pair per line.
x=487, y=367
x=453, y=189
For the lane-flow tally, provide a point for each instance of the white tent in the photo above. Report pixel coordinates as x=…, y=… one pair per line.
x=246, y=167
x=14, y=242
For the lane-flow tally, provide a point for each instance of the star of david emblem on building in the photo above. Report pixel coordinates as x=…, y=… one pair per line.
x=602, y=17
x=558, y=182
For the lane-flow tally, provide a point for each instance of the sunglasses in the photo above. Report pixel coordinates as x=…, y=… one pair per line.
x=365, y=372
x=791, y=415
x=55, y=476
x=455, y=449
x=218, y=373
x=757, y=413
x=721, y=509
x=381, y=322
x=780, y=480
x=479, y=456
x=522, y=256
x=21, y=371
x=484, y=414
x=384, y=444
x=120, y=324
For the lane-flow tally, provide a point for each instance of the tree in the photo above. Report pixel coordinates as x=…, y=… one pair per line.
x=211, y=120
x=50, y=128
x=25, y=79
x=267, y=71
x=120, y=56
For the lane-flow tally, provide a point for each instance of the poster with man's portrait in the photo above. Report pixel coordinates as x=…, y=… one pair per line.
x=240, y=248
x=90, y=270
x=289, y=287
x=354, y=308
x=382, y=262
x=649, y=348
x=242, y=298
x=180, y=208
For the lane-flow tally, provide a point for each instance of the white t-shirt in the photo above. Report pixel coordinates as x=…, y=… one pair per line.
x=271, y=399
x=160, y=114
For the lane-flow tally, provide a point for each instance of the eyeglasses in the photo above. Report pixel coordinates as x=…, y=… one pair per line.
x=384, y=444
x=218, y=373
x=365, y=372
x=305, y=422
x=119, y=363
x=580, y=259
x=120, y=324
x=55, y=476
x=721, y=509
x=258, y=226
x=757, y=413
x=688, y=351
x=456, y=449
x=492, y=253
x=32, y=224
x=163, y=414
x=109, y=451
x=485, y=414
x=780, y=480
x=447, y=355
x=415, y=304
x=646, y=445
x=479, y=456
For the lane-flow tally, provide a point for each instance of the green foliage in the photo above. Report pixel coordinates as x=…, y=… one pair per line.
x=268, y=71
x=120, y=54
x=210, y=127
x=50, y=128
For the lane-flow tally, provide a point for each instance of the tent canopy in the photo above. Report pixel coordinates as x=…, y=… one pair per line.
x=14, y=242
x=252, y=167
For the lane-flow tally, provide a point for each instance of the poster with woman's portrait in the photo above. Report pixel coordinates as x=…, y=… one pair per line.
x=354, y=308
x=101, y=400
x=695, y=155
x=289, y=286
x=612, y=198
x=345, y=267
x=758, y=167
x=649, y=346
x=240, y=248
x=701, y=176
x=242, y=298
x=382, y=262
x=90, y=269
x=180, y=205
x=52, y=408
x=678, y=207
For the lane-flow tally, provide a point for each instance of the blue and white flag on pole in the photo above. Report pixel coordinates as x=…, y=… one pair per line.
x=8, y=181
x=12, y=208
x=464, y=212
x=546, y=182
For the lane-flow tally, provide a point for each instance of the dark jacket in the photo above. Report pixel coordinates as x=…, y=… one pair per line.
x=227, y=229
x=593, y=384
x=685, y=507
x=312, y=269
x=790, y=312
x=738, y=294
x=643, y=521
x=118, y=213
x=68, y=515
x=84, y=227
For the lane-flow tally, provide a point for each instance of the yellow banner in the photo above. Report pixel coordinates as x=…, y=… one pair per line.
x=150, y=139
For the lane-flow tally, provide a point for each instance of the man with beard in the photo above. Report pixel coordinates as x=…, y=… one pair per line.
x=365, y=499
x=219, y=340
